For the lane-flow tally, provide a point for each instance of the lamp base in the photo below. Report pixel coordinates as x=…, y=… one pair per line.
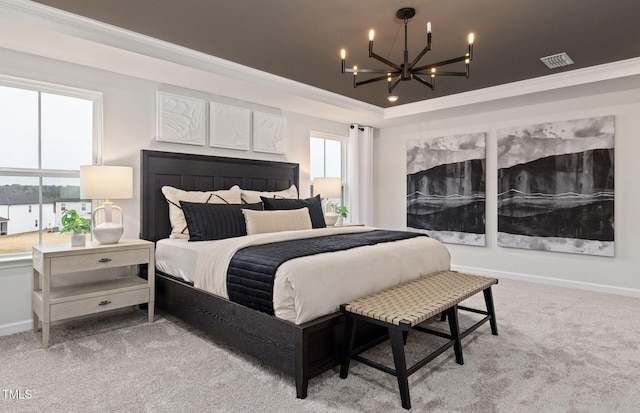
x=331, y=219
x=108, y=233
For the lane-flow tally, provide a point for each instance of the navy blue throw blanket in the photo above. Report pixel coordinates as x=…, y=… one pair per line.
x=252, y=270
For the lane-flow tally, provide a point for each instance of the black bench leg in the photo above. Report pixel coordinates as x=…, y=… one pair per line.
x=347, y=346
x=443, y=316
x=488, y=299
x=454, y=327
x=397, y=346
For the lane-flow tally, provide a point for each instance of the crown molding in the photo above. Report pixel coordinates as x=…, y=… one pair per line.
x=49, y=18
x=58, y=21
x=604, y=72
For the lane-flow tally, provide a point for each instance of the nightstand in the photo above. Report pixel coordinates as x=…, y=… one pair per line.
x=58, y=303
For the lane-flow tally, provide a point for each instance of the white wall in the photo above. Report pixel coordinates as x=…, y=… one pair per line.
x=129, y=126
x=15, y=297
x=619, y=274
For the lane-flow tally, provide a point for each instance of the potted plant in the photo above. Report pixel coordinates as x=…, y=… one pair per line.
x=77, y=226
x=342, y=211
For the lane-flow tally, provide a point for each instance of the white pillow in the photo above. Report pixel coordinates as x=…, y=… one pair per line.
x=259, y=222
x=175, y=195
x=252, y=197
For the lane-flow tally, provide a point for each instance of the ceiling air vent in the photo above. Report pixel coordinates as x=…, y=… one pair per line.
x=557, y=60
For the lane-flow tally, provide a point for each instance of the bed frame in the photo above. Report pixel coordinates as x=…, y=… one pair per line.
x=301, y=351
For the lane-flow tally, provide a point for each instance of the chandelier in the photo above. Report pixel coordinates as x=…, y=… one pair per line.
x=407, y=70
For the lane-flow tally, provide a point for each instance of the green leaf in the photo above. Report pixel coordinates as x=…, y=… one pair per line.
x=72, y=222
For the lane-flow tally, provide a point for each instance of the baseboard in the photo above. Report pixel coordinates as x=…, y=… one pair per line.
x=630, y=292
x=26, y=325
x=17, y=327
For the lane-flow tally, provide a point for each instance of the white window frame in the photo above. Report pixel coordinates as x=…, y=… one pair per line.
x=343, y=144
x=43, y=87
x=343, y=167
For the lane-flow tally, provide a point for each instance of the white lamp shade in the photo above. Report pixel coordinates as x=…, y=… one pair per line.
x=106, y=182
x=327, y=187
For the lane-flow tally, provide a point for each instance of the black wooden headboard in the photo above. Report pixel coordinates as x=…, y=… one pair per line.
x=200, y=173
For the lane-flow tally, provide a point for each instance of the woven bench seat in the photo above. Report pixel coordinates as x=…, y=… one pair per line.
x=421, y=299
x=407, y=305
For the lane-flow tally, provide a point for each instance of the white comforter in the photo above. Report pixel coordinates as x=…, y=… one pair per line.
x=310, y=287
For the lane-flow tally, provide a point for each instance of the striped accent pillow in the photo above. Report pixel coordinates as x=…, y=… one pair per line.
x=208, y=222
x=176, y=216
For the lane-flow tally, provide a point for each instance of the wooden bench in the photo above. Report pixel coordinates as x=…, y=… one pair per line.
x=404, y=307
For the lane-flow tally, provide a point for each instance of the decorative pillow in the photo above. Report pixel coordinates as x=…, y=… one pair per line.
x=314, y=204
x=174, y=196
x=251, y=197
x=259, y=222
x=215, y=221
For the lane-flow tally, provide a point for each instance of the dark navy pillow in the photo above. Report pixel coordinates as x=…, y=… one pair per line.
x=314, y=204
x=215, y=221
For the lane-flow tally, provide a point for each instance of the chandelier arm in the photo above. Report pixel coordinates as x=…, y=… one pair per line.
x=438, y=64
x=394, y=84
x=375, y=79
x=385, y=61
x=451, y=73
x=424, y=82
x=350, y=70
x=417, y=59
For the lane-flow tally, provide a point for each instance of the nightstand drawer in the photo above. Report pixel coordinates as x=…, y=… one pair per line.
x=93, y=305
x=94, y=261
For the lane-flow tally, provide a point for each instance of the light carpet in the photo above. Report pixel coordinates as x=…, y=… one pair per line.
x=559, y=350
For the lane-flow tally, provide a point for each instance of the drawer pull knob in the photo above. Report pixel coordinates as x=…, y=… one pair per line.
x=105, y=302
x=104, y=259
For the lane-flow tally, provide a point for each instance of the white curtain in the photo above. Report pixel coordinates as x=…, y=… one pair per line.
x=360, y=174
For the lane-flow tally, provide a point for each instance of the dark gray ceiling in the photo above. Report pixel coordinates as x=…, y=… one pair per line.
x=301, y=39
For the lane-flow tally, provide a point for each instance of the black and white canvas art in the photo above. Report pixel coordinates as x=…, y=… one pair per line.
x=446, y=188
x=556, y=186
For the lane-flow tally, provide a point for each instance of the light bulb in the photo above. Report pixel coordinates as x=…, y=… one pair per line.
x=471, y=37
x=371, y=35
x=392, y=98
x=343, y=54
x=428, y=27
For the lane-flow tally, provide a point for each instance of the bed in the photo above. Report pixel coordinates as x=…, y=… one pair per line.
x=302, y=351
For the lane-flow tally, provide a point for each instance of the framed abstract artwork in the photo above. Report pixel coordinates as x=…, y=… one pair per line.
x=446, y=188
x=556, y=186
x=268, y=133
x=230, y=126
x=180, y=119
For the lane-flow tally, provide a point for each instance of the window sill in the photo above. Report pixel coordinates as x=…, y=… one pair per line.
x=16, y=261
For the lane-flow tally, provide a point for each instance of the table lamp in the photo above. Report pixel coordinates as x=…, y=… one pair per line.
x=106, y=182
x=328, y=188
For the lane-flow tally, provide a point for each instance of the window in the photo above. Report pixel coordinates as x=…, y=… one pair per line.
x=46, y=132
x=328, y=160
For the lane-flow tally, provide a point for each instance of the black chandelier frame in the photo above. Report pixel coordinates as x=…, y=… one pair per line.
x=408, y=70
